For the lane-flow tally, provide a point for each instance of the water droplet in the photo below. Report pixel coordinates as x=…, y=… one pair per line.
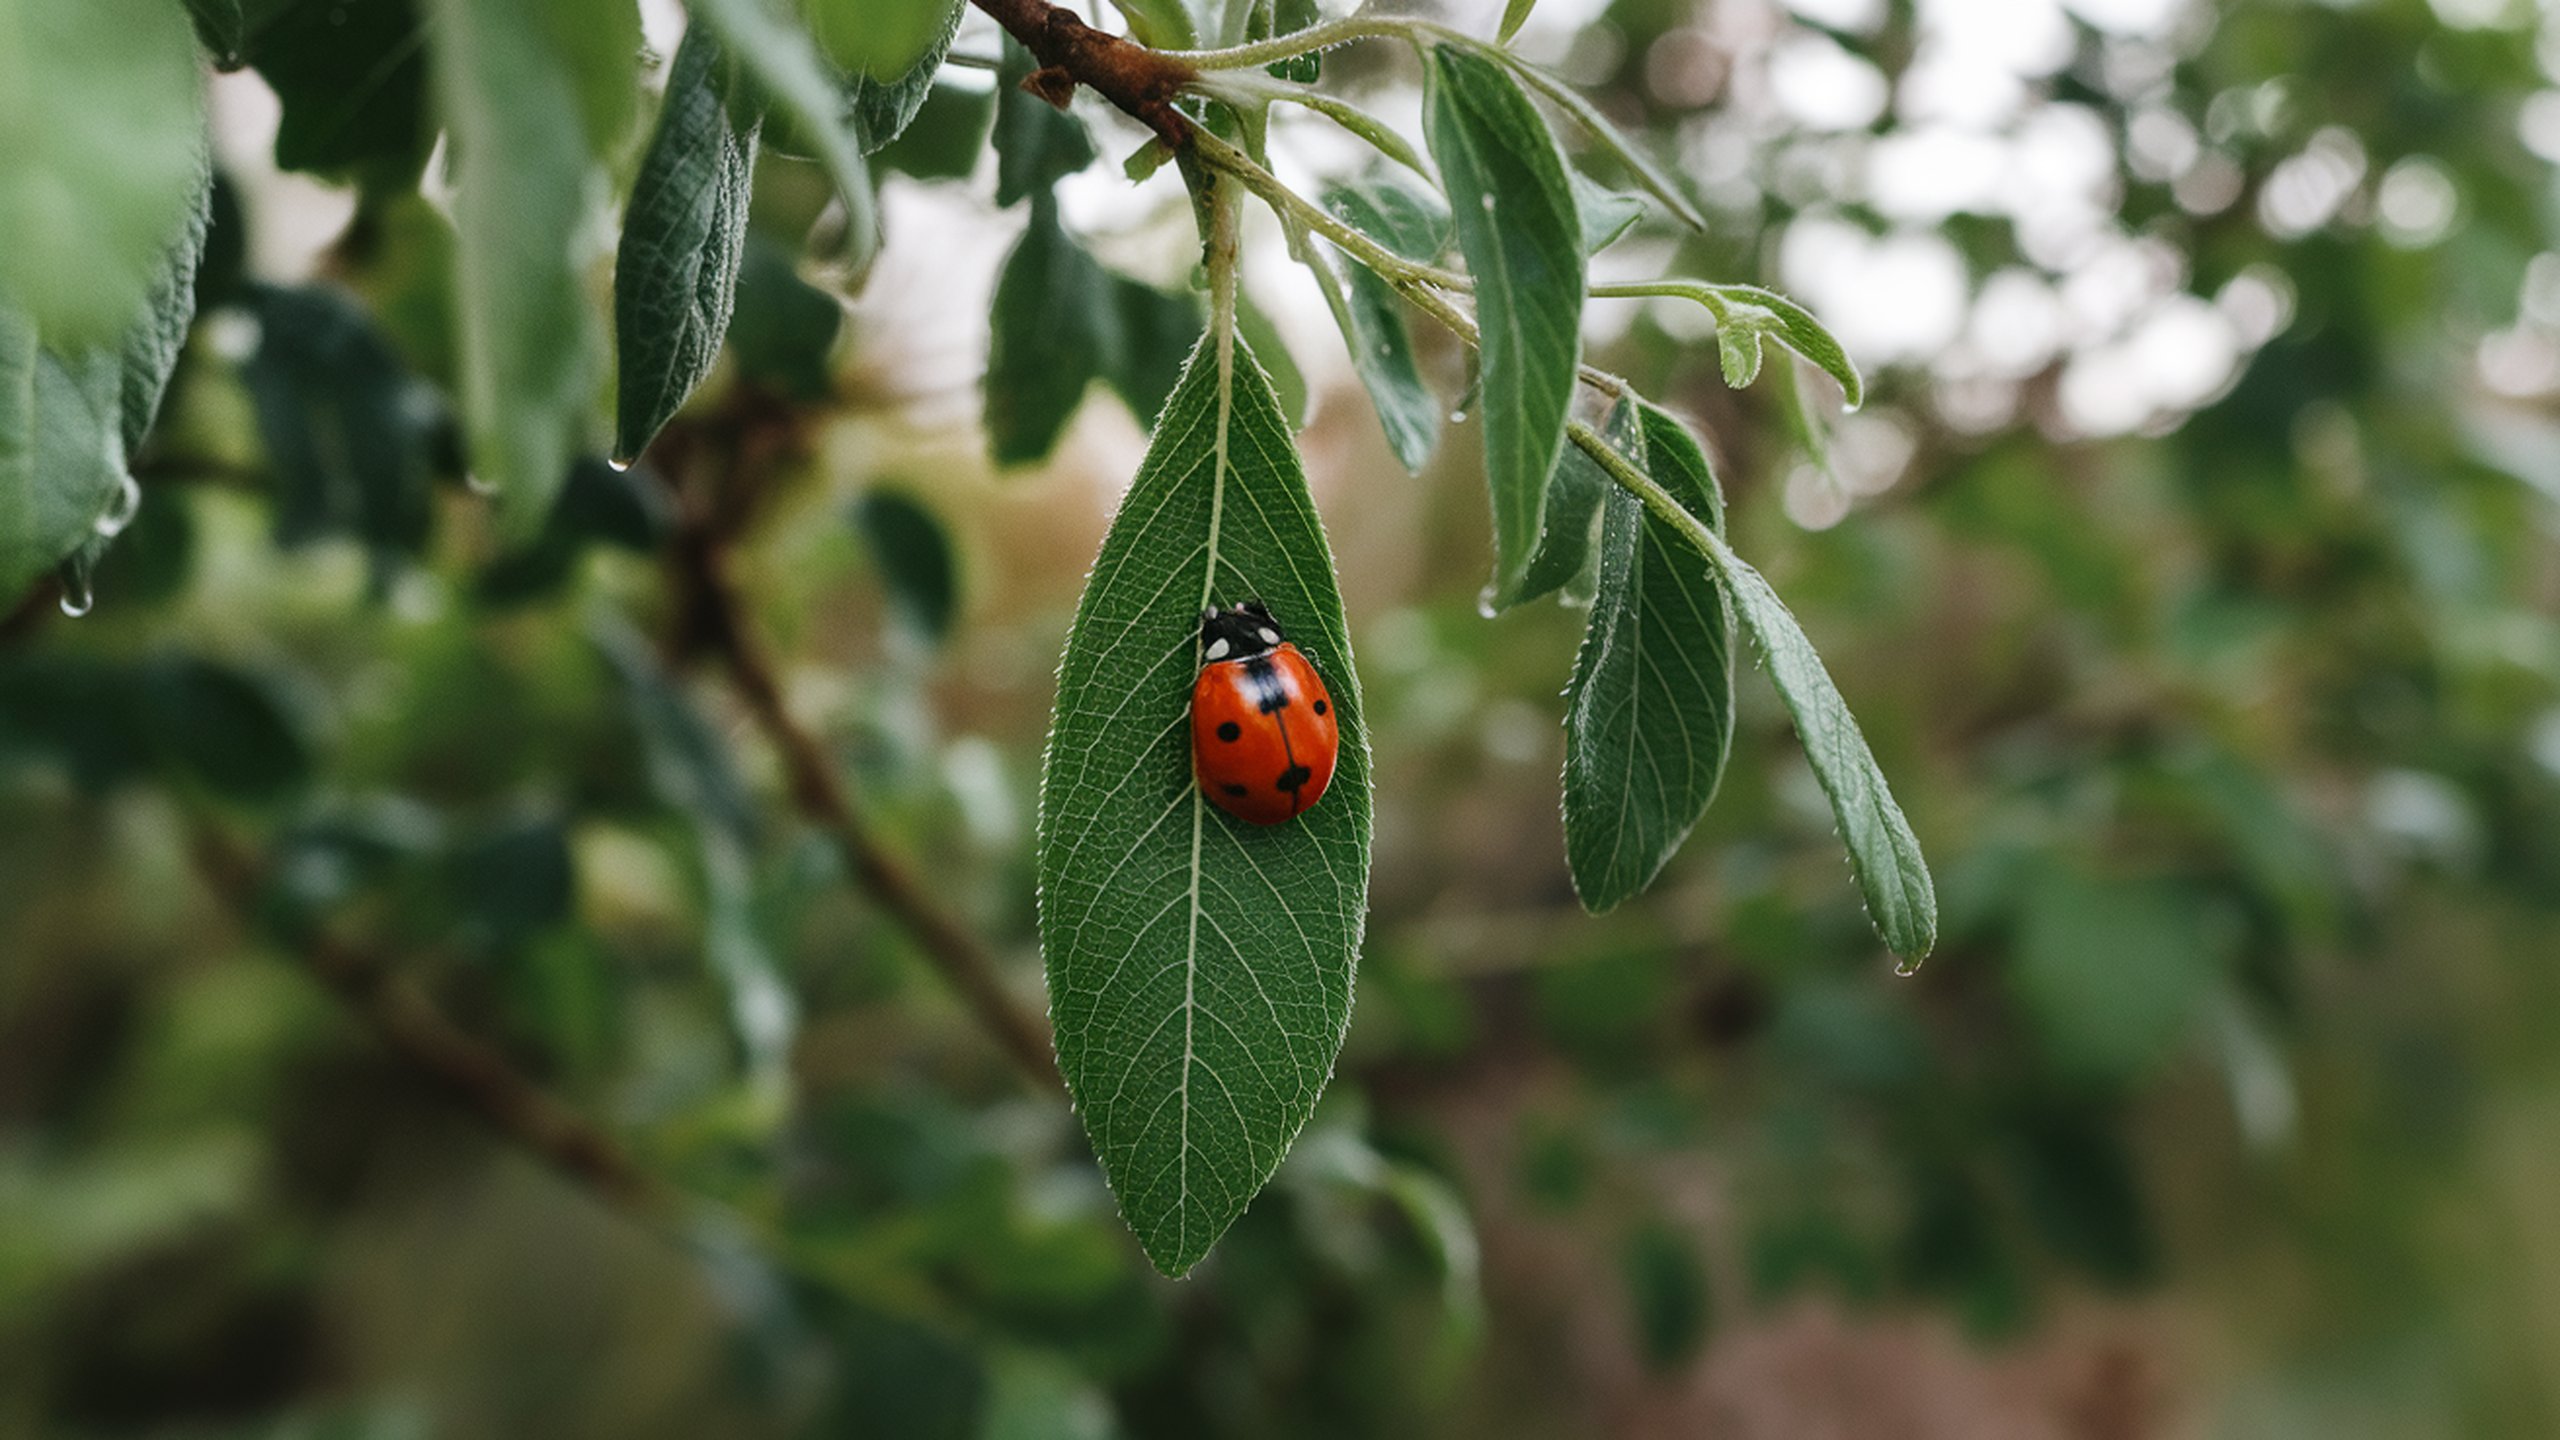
x=77, y=597
x=477, y=485
x=1488, y=204
x=1484, y=603
x=120, y=510
x=1457, y=417
x=1906, y=968
x=618, y=465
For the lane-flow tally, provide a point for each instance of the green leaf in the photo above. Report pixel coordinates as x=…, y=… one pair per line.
x=71, y=417
x=675, y=275
x=1657, y=181
x=1054, y=333
x=884, y=105
x=1382, y=137
x=1372, y=316
x=881, y=41
x=1514, y=15
x=232, y=731
x=1156, y=330
x=1575, y=496
x=1522, y=235
x=1287, y=17
x=101, y=159
x=1770, y=313
x=784, y=332
x=1607, y=216
x=348, y=430
x=913, y=554
x=943, y=139
x=1199, y=967
x=1738, y=349
x=1649, y=713
x=352, y=80
x=531, y=353
x=1901, y=901
x=1037, y=144
x=1287, y=381
x=1406, y=218
x=793, y=79
x=152, y=346
x=219, y=26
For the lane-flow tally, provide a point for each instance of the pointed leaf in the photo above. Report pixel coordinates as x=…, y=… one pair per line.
x=1522, y=235
x=1374, y=330
x=1892, y=875
x=884, y=107
x=675, y=278
x=1607, y=216
x=1773, y=314
x=794, y=82
x=1054, y=332
x=1199, y=967
x=913, y=554
x=1649, y=714
x=511, y=82
x=1514, y=15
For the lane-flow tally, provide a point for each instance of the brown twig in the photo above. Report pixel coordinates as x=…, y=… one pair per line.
x=410, y=1025
x=715, y=618
x=1141, y=81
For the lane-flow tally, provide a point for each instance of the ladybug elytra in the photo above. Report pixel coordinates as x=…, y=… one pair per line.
x=1263, y=731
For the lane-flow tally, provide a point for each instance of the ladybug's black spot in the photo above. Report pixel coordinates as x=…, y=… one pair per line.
x=1320, y=707
x=1233, y=789
x=1230, y=730
x=1294, y=777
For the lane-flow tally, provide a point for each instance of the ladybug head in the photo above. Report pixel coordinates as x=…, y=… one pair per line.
x=1239, y=632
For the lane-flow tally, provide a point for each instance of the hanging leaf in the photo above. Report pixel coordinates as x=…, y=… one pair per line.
x=1607, y=216
x=1199, y=967
x=1514, y=15
x=675, y=277
x=1372, y=316
x=913, y=554
x=348, y=430
x=514, y=85
x=883, y=107
x=880, y=41
x=1649, y=713
x=101, y=159
x=794, y=83
x=1053, y=333
x=71, y=416
x=1901, y=900
x=1521, y=232
x=1156, y=330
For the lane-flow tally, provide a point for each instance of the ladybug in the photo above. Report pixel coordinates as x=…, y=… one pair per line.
x=1263, y=731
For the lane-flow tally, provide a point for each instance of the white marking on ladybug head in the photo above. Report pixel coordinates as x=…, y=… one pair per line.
x=1218, y=648
x=1270, y=636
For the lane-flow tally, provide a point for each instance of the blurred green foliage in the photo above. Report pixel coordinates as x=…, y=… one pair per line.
x=2236, y=744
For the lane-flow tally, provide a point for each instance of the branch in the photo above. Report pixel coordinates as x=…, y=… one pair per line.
x=469, y=1070
x=1141, y=81
x=821, y=796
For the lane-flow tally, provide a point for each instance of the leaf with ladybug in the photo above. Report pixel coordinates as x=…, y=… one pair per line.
x=1199, y=964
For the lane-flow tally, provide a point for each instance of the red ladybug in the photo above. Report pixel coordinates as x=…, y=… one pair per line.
x=1263, y=733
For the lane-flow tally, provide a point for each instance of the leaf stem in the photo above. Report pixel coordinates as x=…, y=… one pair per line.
x=1308, y=41
x=1390, y=266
